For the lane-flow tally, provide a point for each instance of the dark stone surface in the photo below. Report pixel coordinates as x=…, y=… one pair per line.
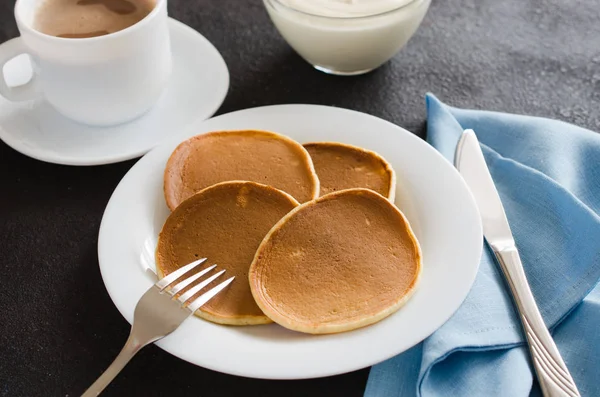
x=59, y=329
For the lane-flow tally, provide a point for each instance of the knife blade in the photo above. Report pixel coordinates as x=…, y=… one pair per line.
x=552, y=373
x=471, y=164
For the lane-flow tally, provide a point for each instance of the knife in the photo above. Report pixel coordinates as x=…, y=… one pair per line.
x=553, y=375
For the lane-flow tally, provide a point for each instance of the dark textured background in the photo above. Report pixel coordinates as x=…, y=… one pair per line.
x=58, y=327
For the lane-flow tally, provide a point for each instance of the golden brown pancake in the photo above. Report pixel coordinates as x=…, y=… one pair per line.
x=344, y=261
x=340, y=166
x=224, y=223
x=258, y=156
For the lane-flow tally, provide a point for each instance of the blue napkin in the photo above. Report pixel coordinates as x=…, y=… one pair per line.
x=548, y=175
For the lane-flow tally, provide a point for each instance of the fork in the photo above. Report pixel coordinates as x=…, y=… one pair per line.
x=158, y=313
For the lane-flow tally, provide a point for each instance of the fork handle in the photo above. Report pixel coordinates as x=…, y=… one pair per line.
x=132, y=346
x=553, y=375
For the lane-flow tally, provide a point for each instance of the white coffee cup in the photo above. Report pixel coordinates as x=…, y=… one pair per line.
x=102, y=80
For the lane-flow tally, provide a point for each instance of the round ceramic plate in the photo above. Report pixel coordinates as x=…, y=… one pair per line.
x=197, y=88
x=430, y=192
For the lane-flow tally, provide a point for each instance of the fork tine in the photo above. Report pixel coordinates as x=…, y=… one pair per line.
x=175, y=290
x=165, y=281
x=193, y=291
x=196, y=304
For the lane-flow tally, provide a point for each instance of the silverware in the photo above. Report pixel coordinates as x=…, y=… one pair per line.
x=158, y=313
x=552, y=373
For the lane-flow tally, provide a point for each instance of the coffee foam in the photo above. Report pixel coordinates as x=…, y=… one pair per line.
x=89, y=18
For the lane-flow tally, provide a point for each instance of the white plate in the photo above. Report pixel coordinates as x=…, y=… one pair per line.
x=430, y=192
x=197, y=88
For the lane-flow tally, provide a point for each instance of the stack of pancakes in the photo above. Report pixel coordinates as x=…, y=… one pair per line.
x=249, y=201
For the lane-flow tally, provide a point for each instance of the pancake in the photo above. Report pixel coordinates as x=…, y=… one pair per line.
x=248, y=155
x=341, y=262
x=340, y=166
x=224, y=223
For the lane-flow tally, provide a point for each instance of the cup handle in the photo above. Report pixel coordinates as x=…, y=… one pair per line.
x=29, y=90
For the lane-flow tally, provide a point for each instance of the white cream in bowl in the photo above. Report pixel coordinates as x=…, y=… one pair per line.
x=347, y=36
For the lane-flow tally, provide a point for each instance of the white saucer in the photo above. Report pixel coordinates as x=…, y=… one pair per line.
x=430, y=192
x=197, y=88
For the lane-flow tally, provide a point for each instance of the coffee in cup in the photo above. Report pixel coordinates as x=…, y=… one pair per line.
x=98, y=62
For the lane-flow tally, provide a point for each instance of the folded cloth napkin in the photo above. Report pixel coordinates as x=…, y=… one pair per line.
x=548, y=175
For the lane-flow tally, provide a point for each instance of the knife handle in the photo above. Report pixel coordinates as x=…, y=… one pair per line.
x=553, y=375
